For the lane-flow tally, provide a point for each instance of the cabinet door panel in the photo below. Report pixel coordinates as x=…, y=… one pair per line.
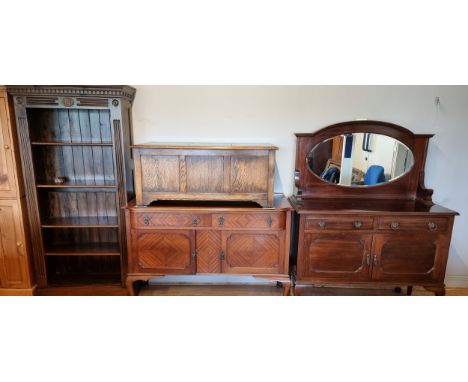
x=406, y=257
x=208, y=251
x=7, y=170
x=163, y=251
x=253, y=252
x=335, y=257
x=13, y=262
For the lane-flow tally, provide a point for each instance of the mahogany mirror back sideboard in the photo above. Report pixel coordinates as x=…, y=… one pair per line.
x=362, y=212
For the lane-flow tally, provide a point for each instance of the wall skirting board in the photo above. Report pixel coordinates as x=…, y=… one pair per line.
x=456, y=281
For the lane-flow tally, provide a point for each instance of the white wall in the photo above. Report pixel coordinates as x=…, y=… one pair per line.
x=274, y=113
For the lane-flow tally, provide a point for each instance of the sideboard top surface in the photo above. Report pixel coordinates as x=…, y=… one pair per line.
x=280, y=202
x=369, y=206
x=204, y=145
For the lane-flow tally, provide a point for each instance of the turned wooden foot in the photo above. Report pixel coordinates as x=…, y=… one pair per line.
x=134, y=285
x=286, y=288
x=130, y=288
x=437, y=290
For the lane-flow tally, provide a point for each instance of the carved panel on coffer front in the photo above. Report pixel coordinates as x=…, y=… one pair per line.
x=160, y=174
x=249, y=174
x=205, y=174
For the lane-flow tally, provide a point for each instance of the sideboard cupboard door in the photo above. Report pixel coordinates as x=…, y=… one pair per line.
x=336, y=256
x=208, y=251
x=7, y=168
x=14, y=271
x=260, y=252
x=163, y=251
x=411, y=258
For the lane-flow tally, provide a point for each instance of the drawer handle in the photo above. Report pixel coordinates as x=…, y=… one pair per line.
x=395, y=225
x=195, y=220
x=146, y=219
x=321, y=223
x=368, y=259
x=376, y=260
x=357, y=224
x=432, y=226
x=6, y=147
x=269, y=221
x=221, y=220
x=221, y=255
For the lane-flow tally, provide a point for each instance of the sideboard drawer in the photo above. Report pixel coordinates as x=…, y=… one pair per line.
x=339, y=223
x=426, y=224
x=174, y=219
x=249, y=220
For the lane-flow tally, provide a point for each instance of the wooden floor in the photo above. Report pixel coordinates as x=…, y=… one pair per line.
x=230, y=290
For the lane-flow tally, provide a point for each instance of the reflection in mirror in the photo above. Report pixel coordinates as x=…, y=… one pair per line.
x=360, y=159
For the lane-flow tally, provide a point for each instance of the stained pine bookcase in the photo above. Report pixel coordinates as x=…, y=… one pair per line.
x=74, y=144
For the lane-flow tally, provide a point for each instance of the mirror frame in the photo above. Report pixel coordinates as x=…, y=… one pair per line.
x=360, y=185
x=408, y=186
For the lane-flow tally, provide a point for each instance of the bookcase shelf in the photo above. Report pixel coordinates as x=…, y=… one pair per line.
x=64, y=143
x=79, y=184
x=83, y=249
x=81, y=222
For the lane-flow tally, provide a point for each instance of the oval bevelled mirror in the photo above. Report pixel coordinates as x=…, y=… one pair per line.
x=360, y=159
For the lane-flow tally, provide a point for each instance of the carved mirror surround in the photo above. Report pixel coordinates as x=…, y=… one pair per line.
x=360, y=159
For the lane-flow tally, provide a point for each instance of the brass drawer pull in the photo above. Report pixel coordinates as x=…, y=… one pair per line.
x=221, y=220
x=432, y=226
x=146, y=219
x=6, y=147
x=221, y=255
x=195, y=220
x=357, y=224
x=394, y=225
x=321, y=223
x=269, y=221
